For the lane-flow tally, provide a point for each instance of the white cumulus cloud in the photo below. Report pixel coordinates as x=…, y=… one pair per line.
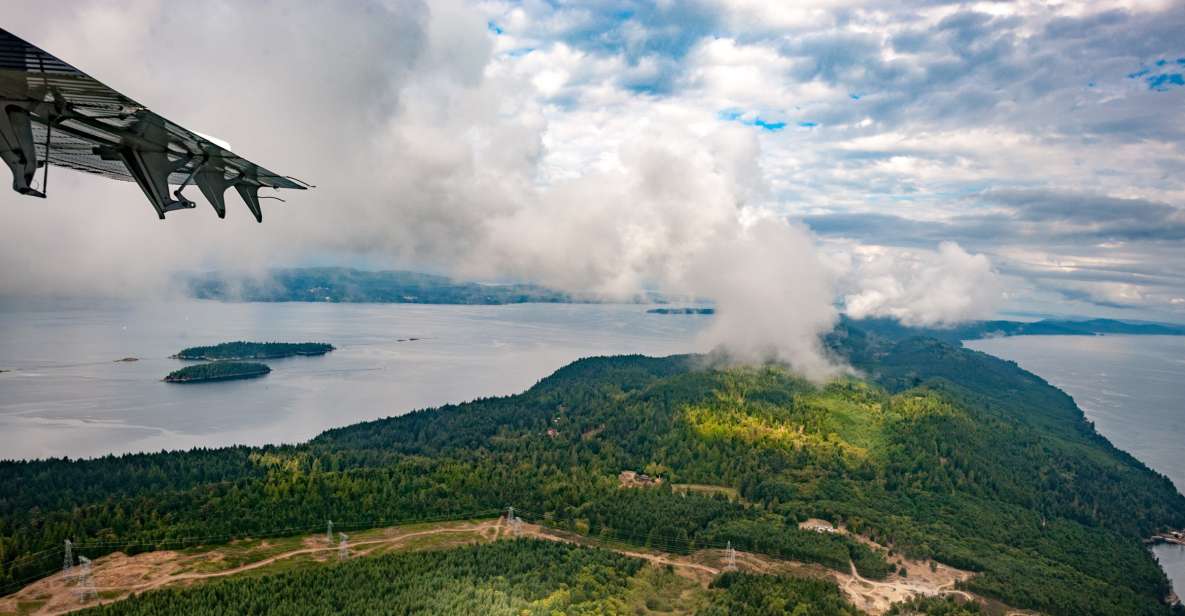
x=919, y=287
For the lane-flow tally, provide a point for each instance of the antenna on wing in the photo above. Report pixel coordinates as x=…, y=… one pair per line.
x=300, y=181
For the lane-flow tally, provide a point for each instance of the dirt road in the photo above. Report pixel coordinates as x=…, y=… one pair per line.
x=117, y=575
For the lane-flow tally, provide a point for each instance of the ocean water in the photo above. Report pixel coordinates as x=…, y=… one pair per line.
x=1132, y=387
x=63, y=393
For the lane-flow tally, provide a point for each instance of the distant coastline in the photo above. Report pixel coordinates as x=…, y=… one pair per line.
x=681, y=311
x=345, y=285
x=977, y=330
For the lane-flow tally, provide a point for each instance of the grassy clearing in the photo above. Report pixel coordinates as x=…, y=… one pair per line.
x=709, y=490
x=25, y=607
x=439, y=541
x=292, y=563
x=240, y=553
x=660, y=590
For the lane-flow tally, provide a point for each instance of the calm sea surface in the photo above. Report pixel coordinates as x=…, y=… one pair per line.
x=65, y=395
x=1132, y=387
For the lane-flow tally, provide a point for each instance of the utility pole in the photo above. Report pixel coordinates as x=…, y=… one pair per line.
x=329, y=532
x=68, y=561
x=343, y=547
x=731, y=562
x=86, y=583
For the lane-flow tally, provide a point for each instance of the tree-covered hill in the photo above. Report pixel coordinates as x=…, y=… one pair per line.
x=935, y=451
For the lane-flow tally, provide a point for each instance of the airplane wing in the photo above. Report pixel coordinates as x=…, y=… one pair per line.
x=51, y=112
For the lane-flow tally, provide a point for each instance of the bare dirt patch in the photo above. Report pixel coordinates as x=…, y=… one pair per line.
x=118, y=575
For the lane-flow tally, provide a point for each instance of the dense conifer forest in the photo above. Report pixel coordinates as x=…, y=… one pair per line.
x=933, y=450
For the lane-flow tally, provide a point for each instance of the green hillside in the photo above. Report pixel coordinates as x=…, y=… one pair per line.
x=936, y=452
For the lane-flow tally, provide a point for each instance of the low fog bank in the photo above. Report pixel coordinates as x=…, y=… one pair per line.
x=427, y=155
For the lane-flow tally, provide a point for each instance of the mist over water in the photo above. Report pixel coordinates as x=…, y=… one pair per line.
x=67, y=396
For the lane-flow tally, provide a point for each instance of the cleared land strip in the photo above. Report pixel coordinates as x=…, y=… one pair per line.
x=116, y=576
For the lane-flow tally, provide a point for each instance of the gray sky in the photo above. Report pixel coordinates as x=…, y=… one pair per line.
x=950, y=161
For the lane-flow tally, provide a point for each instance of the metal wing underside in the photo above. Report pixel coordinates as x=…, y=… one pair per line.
x=77, y=122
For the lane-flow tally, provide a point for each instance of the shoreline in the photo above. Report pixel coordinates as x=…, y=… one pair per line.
x=1169, y=538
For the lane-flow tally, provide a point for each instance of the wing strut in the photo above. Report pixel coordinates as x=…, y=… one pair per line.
x=151, y=171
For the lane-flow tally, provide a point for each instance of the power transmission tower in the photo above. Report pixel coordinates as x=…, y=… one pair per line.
x=731, y=558
x=86, y=583
x=343, y=547
x=68, y=561
x=329, y=531
x=514, y=521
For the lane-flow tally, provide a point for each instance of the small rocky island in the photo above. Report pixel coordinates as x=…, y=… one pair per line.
x=253, y=350
x=218, y=371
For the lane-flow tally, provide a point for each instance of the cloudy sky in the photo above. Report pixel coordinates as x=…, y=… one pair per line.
x=926, y=160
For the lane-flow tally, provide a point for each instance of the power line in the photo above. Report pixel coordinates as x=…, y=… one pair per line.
x=514, y=516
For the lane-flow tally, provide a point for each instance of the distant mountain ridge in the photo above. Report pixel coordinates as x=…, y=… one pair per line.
x=346, y=285
x=894, y=330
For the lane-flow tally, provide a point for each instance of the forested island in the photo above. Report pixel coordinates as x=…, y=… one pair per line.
x=938, y=453
x=681, y=311
x=253, y=350
x=217, y=371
